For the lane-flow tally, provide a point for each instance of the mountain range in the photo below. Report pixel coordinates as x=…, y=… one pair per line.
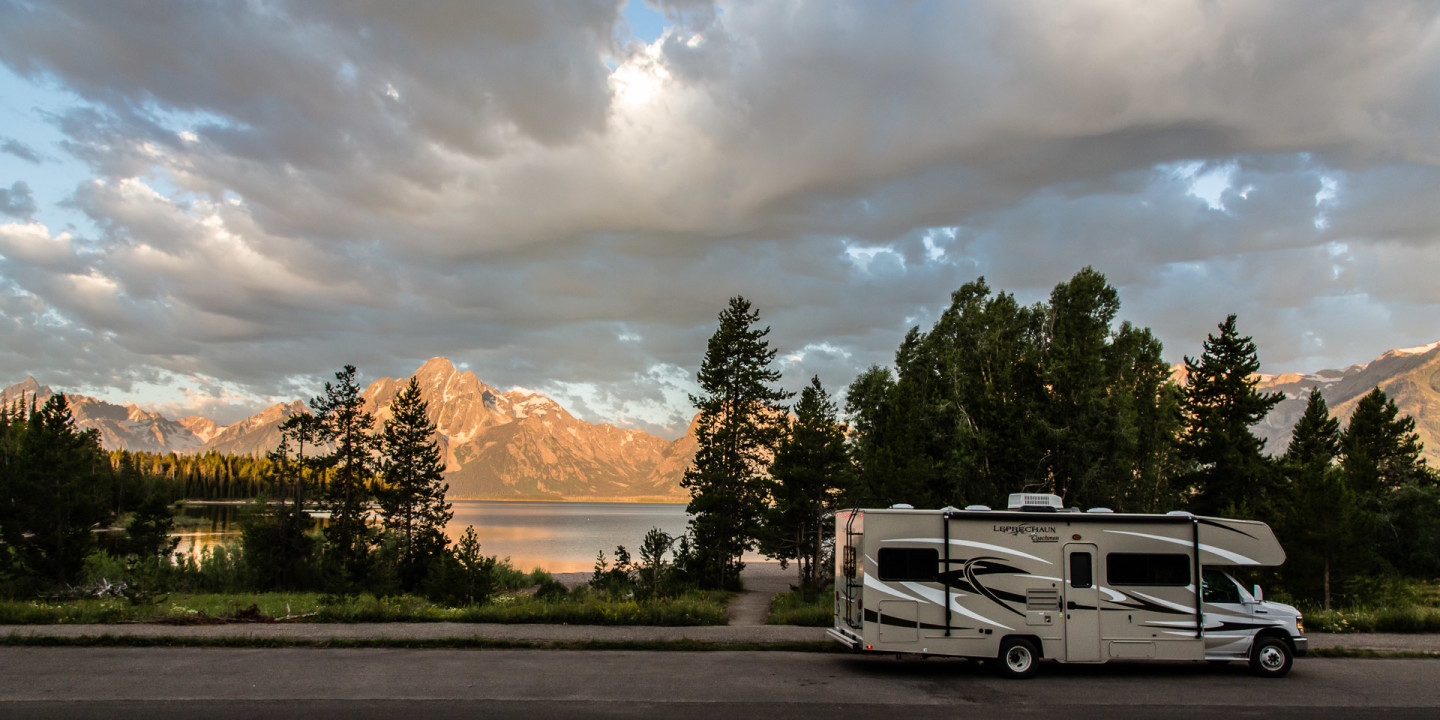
x=497, y=445
x=1409, y=376
x=520, y=445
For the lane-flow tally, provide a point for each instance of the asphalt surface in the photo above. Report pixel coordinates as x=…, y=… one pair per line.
x=224, y=682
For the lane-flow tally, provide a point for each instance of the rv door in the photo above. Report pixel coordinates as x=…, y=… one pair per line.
x=1082, y=604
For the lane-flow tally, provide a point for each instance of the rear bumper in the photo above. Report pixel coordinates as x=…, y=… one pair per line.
x=845, y=637
x=1302, y=645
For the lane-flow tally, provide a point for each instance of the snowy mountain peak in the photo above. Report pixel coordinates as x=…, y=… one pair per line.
x=1417, y=350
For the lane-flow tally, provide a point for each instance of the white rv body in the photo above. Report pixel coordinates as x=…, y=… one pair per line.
x=1078, y=587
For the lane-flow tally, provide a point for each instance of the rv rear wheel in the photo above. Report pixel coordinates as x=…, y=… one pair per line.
x=1271, y=657
x=1018, y=658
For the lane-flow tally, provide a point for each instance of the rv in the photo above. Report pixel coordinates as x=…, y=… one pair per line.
x=1037, y=581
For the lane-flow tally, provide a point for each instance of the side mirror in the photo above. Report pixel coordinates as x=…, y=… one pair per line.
x=1259, y=595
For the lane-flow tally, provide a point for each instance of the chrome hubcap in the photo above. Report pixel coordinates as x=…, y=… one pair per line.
x=1018, y=659
x=1271, y=658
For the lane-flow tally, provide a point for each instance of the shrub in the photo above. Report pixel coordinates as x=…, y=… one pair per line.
x=794, y=608
x=462, y=576
x=281, y=553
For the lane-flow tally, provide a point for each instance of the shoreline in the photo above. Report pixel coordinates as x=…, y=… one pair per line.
x=642, y=500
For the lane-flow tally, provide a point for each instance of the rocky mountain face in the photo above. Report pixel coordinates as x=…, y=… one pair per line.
x=1409, y=376
x=505, y=445
x=518, y=445
x=255, y=435
x=122, y=427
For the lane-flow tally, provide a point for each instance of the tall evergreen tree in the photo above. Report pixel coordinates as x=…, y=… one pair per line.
x=808, y=474
x=739, y=425
x=1320, y=524
x=348, y=428
x=1221, y=404
x=412, y=499
x=59, y=491
x=1380, y=448
x=1381, y=462
x=298, y=432
x=10, y=424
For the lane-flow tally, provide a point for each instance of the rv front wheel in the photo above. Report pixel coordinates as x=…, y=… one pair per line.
x=1018, y=658
x=1271, y=657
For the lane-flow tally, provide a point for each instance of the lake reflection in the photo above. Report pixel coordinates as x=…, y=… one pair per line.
x=562, y=537
x=556, y=536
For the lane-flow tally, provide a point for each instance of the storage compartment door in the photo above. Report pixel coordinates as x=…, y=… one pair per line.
x=899, y=621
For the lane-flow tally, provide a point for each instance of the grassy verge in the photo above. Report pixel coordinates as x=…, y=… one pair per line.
x=790, y=608
x=1413, y=619
x=418, y=644
x=1340, y=652
x=180, y=608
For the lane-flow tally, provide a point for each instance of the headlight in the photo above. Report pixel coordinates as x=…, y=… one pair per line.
x=1300, y=624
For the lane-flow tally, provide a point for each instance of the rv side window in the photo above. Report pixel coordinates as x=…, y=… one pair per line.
x=921, y=564
x=1080, y=575
x=1147, y=569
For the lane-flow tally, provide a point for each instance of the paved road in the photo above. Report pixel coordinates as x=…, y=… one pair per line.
x=221, y=683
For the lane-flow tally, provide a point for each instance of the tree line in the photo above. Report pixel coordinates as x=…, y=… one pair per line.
x=1058, y=397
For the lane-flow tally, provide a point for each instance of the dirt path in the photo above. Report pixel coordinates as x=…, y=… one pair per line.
x=763, y=580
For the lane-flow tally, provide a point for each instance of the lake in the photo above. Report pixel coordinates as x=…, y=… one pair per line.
x=556, y=536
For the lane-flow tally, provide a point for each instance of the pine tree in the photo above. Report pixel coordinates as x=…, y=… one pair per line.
x=297, y=432
x=738, y=427
x=1221, y=404
x=1380, y=448
x=1321, y=523
x=347, y=427
x=1396, y=490
x=59, y=492
x=412, y=500
x=808, y=473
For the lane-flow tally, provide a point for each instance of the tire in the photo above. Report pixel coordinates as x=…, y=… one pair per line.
x=1271, y=657
x=1018, y=659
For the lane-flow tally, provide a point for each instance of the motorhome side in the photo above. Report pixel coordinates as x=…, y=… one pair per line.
x=1088, y=587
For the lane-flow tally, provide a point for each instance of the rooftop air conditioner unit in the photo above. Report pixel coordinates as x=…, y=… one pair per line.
x=1035, y=502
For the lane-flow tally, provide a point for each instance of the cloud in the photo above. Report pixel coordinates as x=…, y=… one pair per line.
x=279, y=189
x=17, y=201
x=11, y=146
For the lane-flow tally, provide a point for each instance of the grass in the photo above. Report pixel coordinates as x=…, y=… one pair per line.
x=1412, y=619
x=185, y=608
x=790, y=608
x=1340, y=652
x=470, y=643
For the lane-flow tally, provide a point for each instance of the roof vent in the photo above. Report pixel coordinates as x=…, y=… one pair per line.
x=1100, y=510
x=1035, y=502
x=902, y=506
x=1182, y=513
x=980, y=508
